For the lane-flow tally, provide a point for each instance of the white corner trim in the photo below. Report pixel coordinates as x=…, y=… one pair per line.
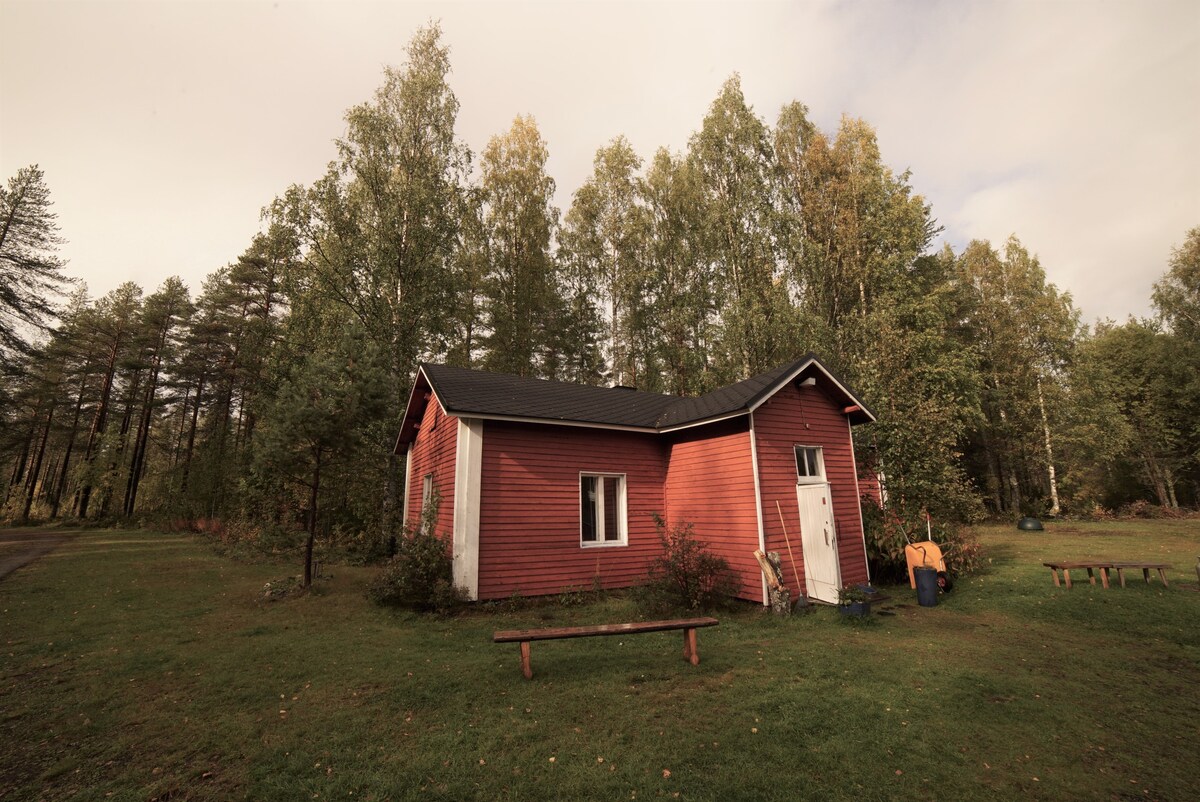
x=407, y=482
x=468, y=473
x=858, y=498
x=762, y=537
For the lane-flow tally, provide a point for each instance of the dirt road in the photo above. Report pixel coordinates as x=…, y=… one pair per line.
x=20, y=547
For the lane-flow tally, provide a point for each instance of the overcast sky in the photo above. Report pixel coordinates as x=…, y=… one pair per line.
x=164, y=127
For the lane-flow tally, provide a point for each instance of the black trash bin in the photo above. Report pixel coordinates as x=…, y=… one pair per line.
x=927, y=586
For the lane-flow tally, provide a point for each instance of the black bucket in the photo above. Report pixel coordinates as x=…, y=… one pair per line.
x=927, y=586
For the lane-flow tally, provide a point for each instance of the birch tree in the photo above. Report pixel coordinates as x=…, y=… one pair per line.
x=521, y=290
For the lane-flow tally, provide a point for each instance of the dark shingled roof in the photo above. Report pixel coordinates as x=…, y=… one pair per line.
x=474, y=392
x=467, y=392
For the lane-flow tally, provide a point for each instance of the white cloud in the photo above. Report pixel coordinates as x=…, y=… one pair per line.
x=164, y=127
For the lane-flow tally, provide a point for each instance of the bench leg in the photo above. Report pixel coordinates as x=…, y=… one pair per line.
x=1054, y=573
x=690, y=651
x=1146, y=575
x=1121, y=576
x=526, y=669
x=1104, y=577
x=1163, y=576
x=1091, y=576
x=1067, y=577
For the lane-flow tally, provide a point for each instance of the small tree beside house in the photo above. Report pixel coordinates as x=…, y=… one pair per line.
x=319, y=419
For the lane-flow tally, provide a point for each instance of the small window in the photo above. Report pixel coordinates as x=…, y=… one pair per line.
x=426, y=496
x=602, y=510
x=810, y=466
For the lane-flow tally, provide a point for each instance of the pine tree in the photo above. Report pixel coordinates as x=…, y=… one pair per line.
x=320, y=419
x=31, y=273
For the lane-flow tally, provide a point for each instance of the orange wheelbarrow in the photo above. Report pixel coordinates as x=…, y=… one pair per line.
x=925, y=554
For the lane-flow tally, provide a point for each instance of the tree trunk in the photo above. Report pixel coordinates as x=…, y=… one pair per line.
x=1155, y=475
x=119, y=456
x=37, y=464
x=18, y=474
x=191, y=445
x=98, y=424
x=183, y=410
x=61, y=485
x=390, y=492
x=1054, y=508
x=312, y=519
x=138, y=462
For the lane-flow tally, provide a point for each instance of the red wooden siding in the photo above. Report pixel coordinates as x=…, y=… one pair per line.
x=710, y=484
x=529, y=507
x=779, y=426
x=434, y=452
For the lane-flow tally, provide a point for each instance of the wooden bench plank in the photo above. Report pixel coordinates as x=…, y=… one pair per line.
x=1104, y=566
x=691, y=651
x=559, y=633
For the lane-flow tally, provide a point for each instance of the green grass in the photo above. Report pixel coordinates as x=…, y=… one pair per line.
x=141, y=666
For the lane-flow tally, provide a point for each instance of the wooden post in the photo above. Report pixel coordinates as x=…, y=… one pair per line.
x=691, y=651
x=1104, y=576
x=1054, y=573
x=1091, y=576
x=1067, y=577
x=1163, y=576
x=526, y=669
x=1121, y=575
x=780, y=597
x=1146, y=575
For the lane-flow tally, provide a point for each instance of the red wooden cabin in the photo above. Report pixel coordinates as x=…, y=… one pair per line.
x=543, y=485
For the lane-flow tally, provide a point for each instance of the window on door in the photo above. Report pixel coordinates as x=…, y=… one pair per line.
x=602, y=509
x=810, y=465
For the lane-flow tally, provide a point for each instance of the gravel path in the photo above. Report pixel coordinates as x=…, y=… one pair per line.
x=20, y=547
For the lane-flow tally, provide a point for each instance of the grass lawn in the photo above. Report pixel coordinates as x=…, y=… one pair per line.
x=141, y=666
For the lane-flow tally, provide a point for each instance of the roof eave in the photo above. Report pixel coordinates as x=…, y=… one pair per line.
x=408, y=423
x=862, y=415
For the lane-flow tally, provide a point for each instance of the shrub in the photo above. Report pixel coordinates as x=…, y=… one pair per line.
x=420, y=576
x=1142, y=509
x=687, y=574
x=887, y=533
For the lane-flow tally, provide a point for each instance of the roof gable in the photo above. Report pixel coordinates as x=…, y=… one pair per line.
x=473, y=393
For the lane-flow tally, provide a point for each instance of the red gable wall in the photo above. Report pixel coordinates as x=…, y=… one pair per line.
x=433, y=452
x=710, y=484
x=779, y=426
x=529, y=507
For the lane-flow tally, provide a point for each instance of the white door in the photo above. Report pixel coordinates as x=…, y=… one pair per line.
x=822, y=574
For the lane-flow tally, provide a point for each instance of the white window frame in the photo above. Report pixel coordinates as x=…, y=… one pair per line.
x=810, y=480
x=621, y=516
x=426, y=496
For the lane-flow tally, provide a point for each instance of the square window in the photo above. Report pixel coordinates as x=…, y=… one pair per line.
x=602, y=517
x=810, y=465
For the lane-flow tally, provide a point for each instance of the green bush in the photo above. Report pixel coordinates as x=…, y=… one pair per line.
x=686, y=575
x=888, y=532
x=420, y=576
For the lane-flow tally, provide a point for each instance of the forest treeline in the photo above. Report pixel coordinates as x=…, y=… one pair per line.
x=271, y=398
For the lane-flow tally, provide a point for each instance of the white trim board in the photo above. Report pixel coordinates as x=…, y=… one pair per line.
x=468, y=474
x=408, y=454
x=762, y=536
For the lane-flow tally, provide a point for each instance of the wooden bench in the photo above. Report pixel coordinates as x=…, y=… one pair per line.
x=1103, y=566
x=523, y=636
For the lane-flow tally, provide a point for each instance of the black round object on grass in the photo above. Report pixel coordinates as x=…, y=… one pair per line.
x=1028, y=524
